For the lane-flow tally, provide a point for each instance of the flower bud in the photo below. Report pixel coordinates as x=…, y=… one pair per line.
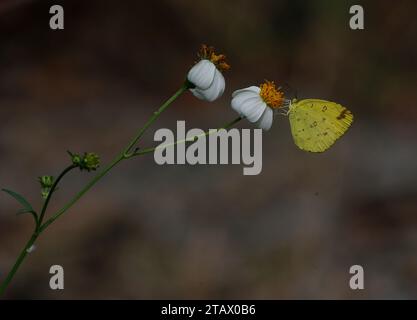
x=46, y=185
x=206, y=75
x=46, y=181
x=89, y=161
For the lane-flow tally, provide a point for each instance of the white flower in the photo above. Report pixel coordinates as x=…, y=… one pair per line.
x=209, y=82
x=257, y=103
x=206, y=75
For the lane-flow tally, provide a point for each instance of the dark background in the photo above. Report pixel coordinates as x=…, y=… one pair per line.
x=149, y=231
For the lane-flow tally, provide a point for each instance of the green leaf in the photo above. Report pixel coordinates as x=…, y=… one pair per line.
x=26, y=205
x=22, y=211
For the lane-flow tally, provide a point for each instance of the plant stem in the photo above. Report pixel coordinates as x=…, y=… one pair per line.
x=207, y=133
x=35, y=233
x=125, y=154
x=87, y=187
x=18, y=262
x=122, y=156
x=51, y=191
x=155, y=115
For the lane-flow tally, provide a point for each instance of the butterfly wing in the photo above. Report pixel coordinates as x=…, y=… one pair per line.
x=316, y=124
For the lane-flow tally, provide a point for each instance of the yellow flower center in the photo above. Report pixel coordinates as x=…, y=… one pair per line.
x=219, y=60
x=272, y=96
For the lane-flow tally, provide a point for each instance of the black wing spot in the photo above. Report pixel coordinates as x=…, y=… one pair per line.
x=324, y=119
x=325, y=134
x=314, y=124
x=324, y=108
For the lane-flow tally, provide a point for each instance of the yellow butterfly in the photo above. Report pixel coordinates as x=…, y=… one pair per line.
x=317, y=124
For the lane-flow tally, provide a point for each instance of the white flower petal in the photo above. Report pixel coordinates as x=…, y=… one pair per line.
x=215, y=90
x=265, y=122
x=253, y=89
x=239, y=98
x=197, y=93
x=253, y=108
x=217, y=87
x=202, y=74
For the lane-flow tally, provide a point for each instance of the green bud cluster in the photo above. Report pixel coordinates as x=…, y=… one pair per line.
x=46, y=185
x=88, y=161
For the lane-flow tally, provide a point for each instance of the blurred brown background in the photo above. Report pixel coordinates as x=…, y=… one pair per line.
x=149, y=231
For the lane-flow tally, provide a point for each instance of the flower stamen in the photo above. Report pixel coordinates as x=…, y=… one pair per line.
x=219, y=60
x=271, y=95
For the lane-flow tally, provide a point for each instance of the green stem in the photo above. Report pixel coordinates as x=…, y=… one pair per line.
x=152, y=119
x=52, y=190
x=35, y=233
x=77, y=197
x=18, y=262
x=207, y=133
x=125, y=154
